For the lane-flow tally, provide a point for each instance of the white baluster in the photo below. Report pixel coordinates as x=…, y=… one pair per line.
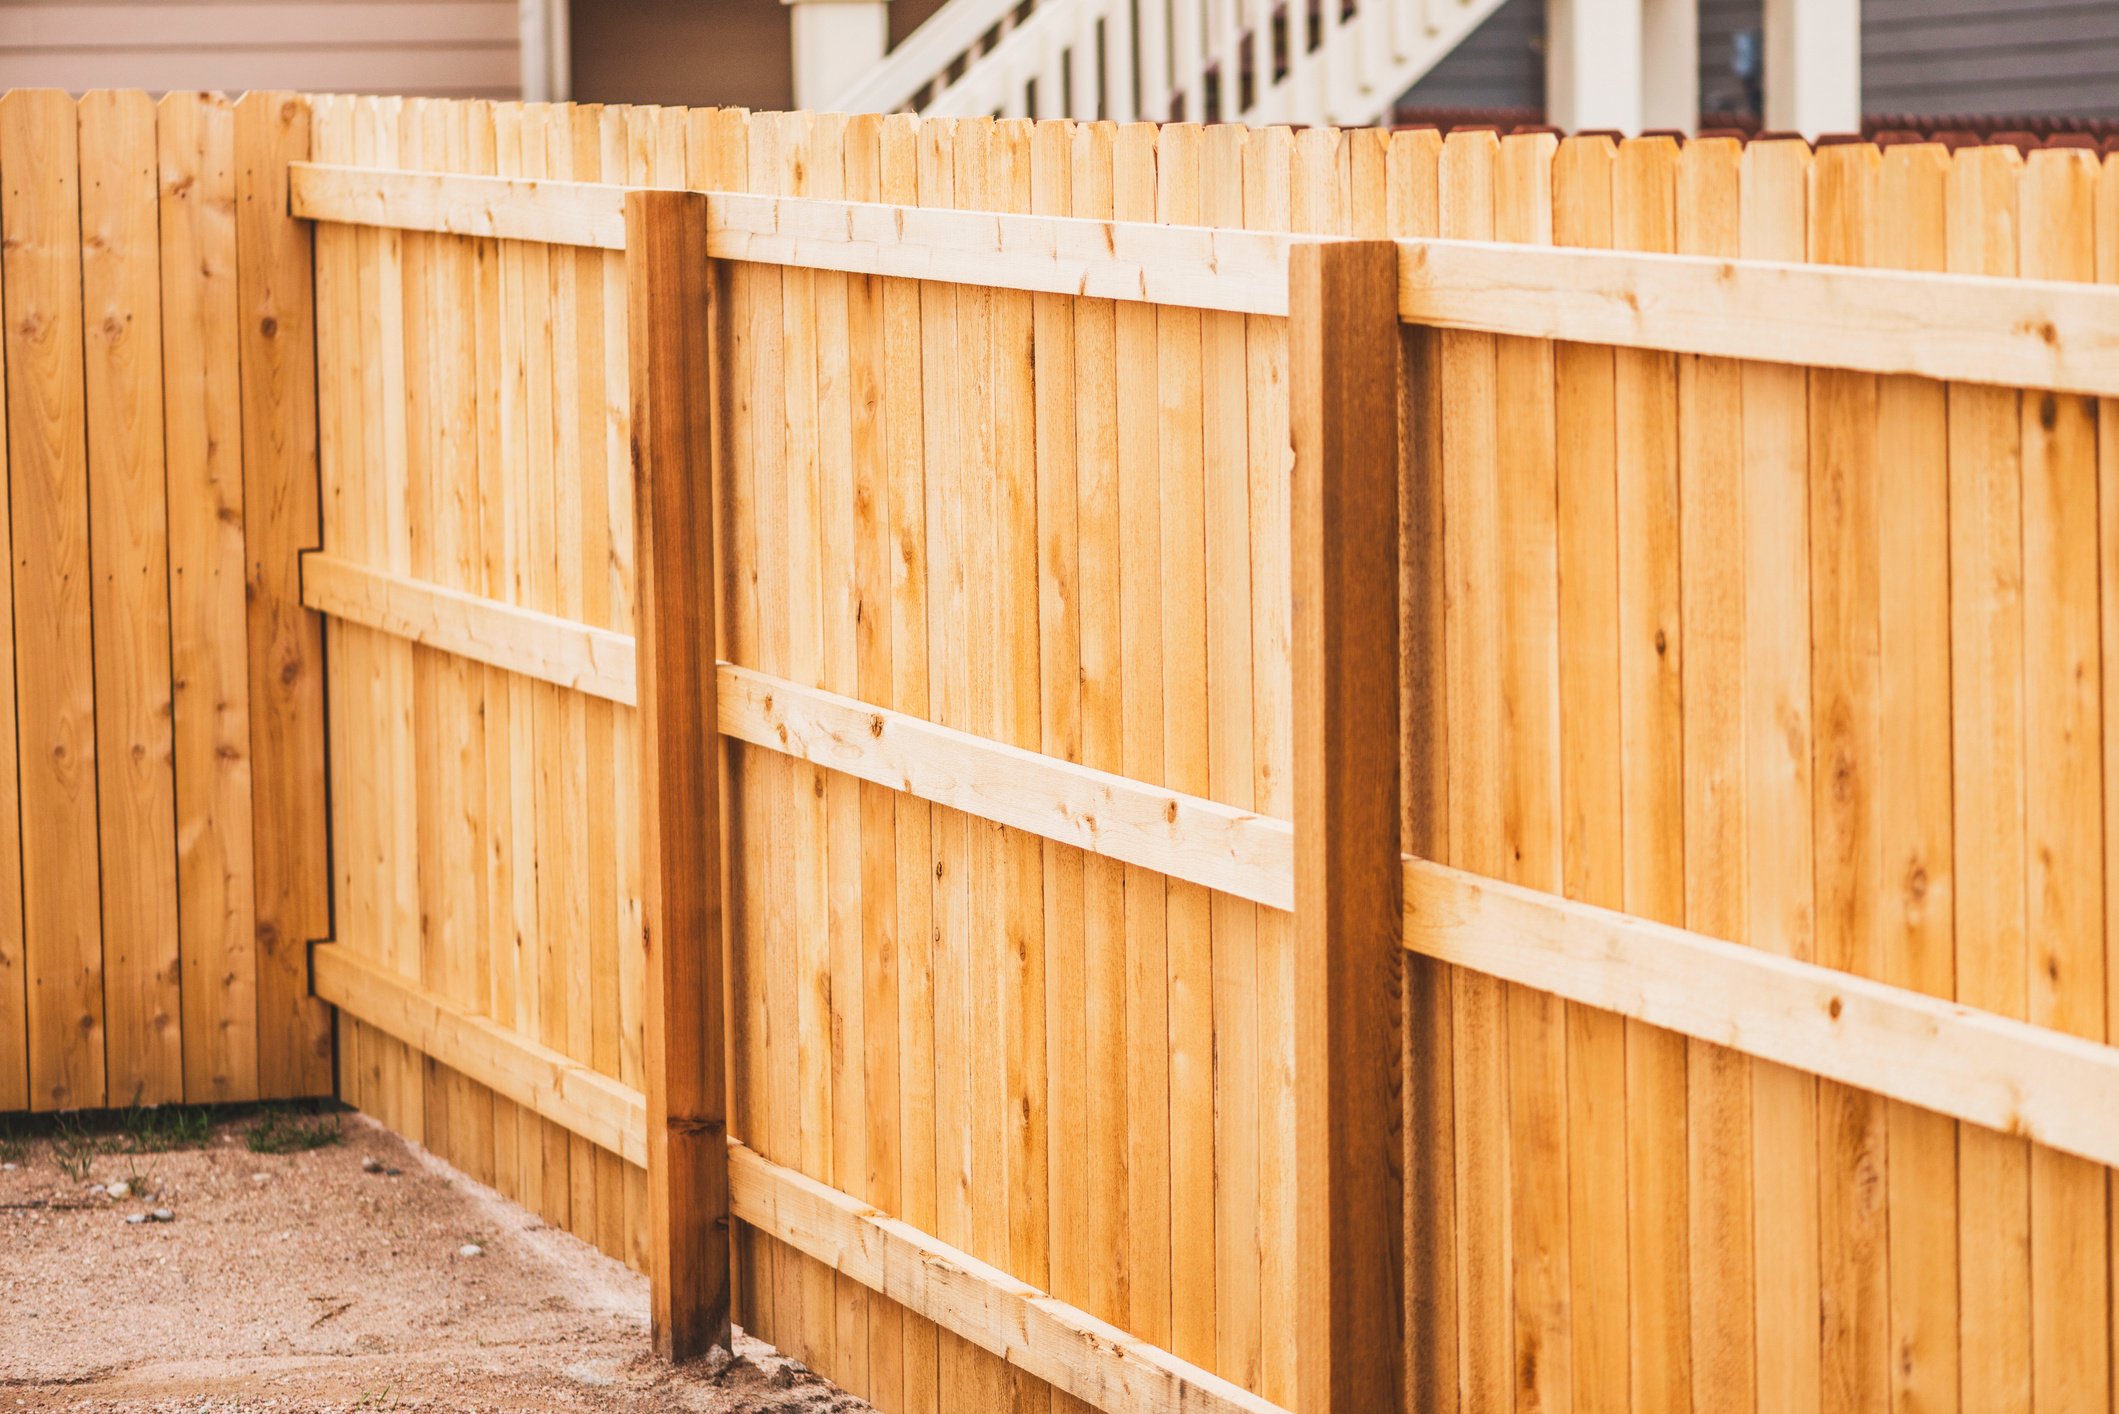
x=1188, y=42
x=1051, y=77
x=1374, y=20
x=1121, y=62
x=1082, y=88
x=1230, y=48
x=1154, y=59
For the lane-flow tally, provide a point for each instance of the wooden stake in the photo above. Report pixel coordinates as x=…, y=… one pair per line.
x=1343, y=357
x=667, y=280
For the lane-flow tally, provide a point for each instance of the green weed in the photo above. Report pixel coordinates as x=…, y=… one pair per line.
x=157, y=1129
x=74, y=1147
x=291, y=1130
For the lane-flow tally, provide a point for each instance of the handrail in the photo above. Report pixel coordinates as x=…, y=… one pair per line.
x=950, y=33
x=1251, y=61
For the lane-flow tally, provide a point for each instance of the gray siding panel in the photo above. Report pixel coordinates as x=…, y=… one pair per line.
x=2038, y=58
x=1501, y=64
x=2041, y=58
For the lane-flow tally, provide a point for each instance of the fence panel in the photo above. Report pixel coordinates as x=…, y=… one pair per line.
x=1763, y=651
x=156, y=893
x=1807, y=624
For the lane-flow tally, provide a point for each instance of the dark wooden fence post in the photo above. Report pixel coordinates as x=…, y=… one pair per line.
x=1343, y=392
x=668, y=281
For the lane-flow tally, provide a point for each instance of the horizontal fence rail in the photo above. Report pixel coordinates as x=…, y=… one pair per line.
x=1051, y=1339
x=1970, y=328
x=1196, y=267
x=1966, y=328
x=1956, y=1060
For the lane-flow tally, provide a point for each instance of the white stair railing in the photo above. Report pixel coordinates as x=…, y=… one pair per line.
x=1252, y=61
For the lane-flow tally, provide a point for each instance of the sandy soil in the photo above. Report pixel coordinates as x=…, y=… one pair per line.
x=304, y=1282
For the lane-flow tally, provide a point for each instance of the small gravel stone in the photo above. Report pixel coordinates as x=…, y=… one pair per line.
x=119, y=1190
x=97, y=1188
x=470, y=1249
x=136, y=1218
x=261, y=1178
x=163, y=1215
x=371, y=1164
x=9, y=1168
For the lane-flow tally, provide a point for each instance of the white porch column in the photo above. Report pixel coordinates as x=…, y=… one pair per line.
x=1813, y=66
x=546, y=61
x=1593, y=64
x=836, y=44
x=1670, y=64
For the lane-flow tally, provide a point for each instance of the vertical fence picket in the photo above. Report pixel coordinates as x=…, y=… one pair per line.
x=1989, y=707
x=1919, y=876
x=1471, y=559
x=1845, y=510
x=1182, y=551
x=280, y=499
x=1231, y=743
x=1711, y=486
x=499, y=690
x=1651, y=655
x=1106, y=1045
x=55, y=691
x=1414, y=208
x=202, y=420
x=1141, y=713
x=1528, y=656
x=1268, y=192
x=129, y=555
x=906, y=414
x=1592, y=854
x=2063, y=814
x=1778, y=720
x=1062, y=679
x=2107, y=272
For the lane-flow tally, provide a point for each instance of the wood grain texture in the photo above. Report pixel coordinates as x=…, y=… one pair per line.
x=1342, y=356
x=1919, y=882
x=280, y=520
x=129, y=553
x=667, y=281
x=1989, y=706
x=1693, y=629
x=49, y=511
x=202, y=428
x=1592, y=856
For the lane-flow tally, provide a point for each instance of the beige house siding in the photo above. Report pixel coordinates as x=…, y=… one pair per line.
x=463, y=48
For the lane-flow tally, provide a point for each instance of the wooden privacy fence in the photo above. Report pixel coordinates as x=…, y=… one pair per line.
x=1625, y=928
x=161, y=738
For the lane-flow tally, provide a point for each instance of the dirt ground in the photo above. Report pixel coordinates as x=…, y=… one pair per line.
x=305, y=1281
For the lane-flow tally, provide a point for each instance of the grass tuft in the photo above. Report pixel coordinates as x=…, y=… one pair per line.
x=74, y=1147
x=292, y=1130
x=158, y=1129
